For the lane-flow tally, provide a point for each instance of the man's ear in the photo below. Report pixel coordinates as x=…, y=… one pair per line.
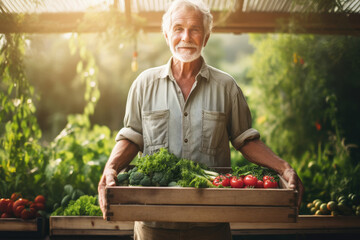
x=206, y=39
x=166, y=38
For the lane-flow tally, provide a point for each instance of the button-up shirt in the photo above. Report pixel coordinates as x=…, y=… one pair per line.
x=198, y=128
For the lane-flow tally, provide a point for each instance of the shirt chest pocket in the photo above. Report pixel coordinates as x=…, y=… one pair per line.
x=213, y=130
x=155, y=130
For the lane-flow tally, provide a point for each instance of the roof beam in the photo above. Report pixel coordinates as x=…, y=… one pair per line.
x=237, y=22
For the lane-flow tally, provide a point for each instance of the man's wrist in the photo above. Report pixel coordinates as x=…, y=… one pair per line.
x=286, y=167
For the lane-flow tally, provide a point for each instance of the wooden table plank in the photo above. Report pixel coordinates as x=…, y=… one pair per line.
x=306, y=224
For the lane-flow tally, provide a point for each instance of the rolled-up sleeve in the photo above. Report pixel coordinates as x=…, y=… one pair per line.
x=132, y=129
x=241, y=130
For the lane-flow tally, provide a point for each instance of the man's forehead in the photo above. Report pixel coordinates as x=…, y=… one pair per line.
x=187, y=14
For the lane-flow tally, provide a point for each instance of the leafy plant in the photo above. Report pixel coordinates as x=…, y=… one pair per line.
x=22, y=158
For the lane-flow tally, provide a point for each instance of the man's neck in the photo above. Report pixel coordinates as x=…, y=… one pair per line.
x=185, y=70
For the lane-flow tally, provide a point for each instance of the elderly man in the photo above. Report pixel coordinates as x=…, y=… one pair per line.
x=193, y=110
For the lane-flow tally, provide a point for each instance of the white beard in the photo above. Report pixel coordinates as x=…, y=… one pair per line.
x=187, y=56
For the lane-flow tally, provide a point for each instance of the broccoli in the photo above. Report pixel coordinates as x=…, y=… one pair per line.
x=163, y=168
x=135, y=178
x=162, y=178
x=123, y=179
x=146, y=181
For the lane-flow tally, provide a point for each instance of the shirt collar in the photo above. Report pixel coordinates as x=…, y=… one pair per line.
x=166, y=72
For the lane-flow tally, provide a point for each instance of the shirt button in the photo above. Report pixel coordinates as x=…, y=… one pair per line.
x=185, y=140
x=185, y=114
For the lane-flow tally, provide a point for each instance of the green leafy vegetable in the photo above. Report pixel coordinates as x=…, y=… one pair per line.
x=84, y=206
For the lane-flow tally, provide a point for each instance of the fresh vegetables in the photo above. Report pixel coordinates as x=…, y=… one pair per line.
x=19, y=207
x=341, y=205
x=222, y=180
x=84, y=206
x=68, y=194
x=164, y=169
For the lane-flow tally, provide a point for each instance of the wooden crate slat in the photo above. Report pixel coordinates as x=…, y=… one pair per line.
x=92, y=232
x=87, y=222
x=181, y=213
x=305, y=222
x=16, y=224
x=204, y=196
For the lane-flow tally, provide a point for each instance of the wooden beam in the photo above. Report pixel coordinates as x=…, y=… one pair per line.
x=237, y=22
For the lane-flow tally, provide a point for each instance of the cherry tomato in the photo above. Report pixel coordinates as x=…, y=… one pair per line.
x=221, y=180
x=266, y=177
x=259, y=184
x=270, y=184
x=237, y=182
x=229, y=175
x=250, y=180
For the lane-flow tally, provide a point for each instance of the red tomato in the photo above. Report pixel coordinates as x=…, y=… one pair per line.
x=250, y=180
x=15, y=196
x=6, y=215
x=259, y=184
x=4, y=204
x=18, y=210
x=270, y=184
x=38, y=206
x=221, y=180
x=9, y=208
x=19, y=202
x=28, y=213
x=237, y=182
x=266, y=177
x=40, y=199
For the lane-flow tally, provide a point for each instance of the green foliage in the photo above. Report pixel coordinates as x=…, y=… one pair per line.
x=22, y=158
x=305, y=104
x=79, y=154
x=83, y=206
x=293, y=76
x=255, y=170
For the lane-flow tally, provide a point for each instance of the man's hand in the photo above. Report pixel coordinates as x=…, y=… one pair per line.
x=108, y=179
x=294, y=183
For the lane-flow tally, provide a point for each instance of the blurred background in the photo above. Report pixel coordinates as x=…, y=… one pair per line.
x=63, y=93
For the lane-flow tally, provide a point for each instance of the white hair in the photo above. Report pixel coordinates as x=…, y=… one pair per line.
x=196, y=5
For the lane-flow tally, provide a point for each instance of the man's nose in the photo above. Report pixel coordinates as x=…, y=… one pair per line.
x=185, y=35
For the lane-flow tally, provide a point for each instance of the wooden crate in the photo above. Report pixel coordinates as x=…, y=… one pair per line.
x=174, y=204
x=16, y=227
x=85, y=225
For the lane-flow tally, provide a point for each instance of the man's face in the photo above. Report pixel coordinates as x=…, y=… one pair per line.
x=186, y=36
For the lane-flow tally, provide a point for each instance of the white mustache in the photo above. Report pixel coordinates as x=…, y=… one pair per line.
x=189, y=45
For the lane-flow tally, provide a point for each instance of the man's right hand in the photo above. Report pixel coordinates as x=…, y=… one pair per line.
x=107, y=179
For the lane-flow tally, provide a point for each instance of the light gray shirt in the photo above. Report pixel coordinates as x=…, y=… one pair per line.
x=199, y=128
